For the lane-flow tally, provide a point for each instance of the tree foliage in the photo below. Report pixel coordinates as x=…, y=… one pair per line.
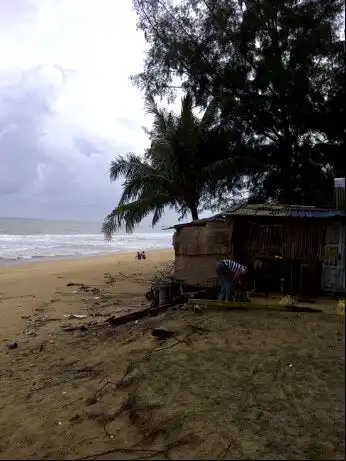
x=176, y=171
x=276, y=71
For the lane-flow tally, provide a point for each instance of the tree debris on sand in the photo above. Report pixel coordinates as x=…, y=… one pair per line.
x=255, y=381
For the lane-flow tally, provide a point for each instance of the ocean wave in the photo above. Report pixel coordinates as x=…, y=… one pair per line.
x=51, y=245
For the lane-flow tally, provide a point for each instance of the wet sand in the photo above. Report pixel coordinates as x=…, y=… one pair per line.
x=256, y=379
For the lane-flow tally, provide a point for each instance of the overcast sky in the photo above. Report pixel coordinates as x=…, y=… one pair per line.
x=67, y=106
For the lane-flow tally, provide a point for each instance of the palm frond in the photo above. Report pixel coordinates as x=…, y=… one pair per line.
x=132, y=166
x=160, y=116
x=158, y=213
x=148, y=186
x=186, y=104
x=209, y=118
x=132, y=213
x=150, y=106
x=124, y=166
x=177, y=170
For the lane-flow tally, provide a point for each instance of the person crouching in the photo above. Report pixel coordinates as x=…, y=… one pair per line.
x=229, y=273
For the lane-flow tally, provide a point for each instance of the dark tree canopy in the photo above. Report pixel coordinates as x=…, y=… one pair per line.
x=277, y=72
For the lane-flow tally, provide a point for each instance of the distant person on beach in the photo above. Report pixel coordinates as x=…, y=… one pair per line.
x=139, y=255
x=144, y=256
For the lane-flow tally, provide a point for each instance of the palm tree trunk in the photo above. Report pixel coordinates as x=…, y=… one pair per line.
x=194, y=212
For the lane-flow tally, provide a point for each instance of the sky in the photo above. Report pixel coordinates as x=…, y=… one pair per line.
x=67, y=107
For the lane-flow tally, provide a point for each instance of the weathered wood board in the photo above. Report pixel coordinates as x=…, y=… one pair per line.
x=236, y=305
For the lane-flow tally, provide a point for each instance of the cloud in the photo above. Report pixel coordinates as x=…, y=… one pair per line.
x=48, y=168
x=67, y=107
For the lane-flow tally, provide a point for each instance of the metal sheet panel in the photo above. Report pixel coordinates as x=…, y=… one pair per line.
x=292, y=211
x=274, y=211
x=333, y=270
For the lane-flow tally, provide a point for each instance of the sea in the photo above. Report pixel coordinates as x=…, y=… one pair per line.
x=34, y=239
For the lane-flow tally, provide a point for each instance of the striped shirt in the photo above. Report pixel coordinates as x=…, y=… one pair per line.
x=236, y=268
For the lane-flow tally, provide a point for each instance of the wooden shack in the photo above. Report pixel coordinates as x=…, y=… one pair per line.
x=197, y=247
x=308, y=239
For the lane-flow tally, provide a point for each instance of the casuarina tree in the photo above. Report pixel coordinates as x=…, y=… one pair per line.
x=277, y=71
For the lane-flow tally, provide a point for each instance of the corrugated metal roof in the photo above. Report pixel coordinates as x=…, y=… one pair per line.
x=283, y=211
x=198, y=222
x=261, y=210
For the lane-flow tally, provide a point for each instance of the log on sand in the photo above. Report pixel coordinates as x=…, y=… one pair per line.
x=121, y=320
x=133, y=316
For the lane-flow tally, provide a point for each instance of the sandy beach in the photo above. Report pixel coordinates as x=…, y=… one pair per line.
x=38, y=291
x=227, y=385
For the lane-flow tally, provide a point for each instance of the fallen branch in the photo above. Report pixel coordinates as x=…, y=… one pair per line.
x=194, y=329
x=132, y=316
x=120, y=450
x=198, y=329
x=76, y=328
x=122, y=320
x=225, y=452
x=150, y=453
x=98, y=392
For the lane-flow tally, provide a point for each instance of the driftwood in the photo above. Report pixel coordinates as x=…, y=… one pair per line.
x=132, y=316
x=82, y=327
x=240, y=305
x=122, y=320
x=76, y=328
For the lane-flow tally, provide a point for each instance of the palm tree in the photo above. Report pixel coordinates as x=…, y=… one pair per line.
x=176, y=171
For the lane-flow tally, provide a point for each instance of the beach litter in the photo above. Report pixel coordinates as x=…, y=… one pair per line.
x=30, y=333
x=75, y=316
x=54, y=300
x=12, y=345
x=108, y=278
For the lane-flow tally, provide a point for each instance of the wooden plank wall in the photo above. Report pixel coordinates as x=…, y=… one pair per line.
x=294, y=239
